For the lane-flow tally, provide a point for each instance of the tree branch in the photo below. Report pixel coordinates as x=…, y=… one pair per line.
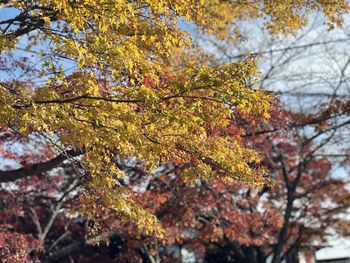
x=38, y=168
x=75, y=247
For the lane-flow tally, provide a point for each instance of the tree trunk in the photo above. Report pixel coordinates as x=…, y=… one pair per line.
x=283, y=233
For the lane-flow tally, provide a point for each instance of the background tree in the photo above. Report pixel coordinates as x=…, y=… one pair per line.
x=311, y=73
x=234, y=223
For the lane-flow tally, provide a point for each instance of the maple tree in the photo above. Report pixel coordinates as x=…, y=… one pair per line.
x=130, y=43
x=235, y=223
x=320, y=144
x=218, y=221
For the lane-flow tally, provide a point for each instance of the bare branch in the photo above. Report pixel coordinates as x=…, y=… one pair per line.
x=38, y=168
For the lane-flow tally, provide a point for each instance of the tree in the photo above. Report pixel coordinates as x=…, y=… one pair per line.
x=229, y=222
x=311, y=72
x=103, y=86
x=218, y=221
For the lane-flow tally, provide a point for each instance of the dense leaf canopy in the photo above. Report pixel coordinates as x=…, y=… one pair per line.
x=106, y=86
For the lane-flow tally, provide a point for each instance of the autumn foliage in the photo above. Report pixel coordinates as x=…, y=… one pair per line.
x=114, y=131
x=300, y=204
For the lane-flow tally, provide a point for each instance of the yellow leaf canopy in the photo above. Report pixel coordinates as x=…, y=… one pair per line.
x=123, y=96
